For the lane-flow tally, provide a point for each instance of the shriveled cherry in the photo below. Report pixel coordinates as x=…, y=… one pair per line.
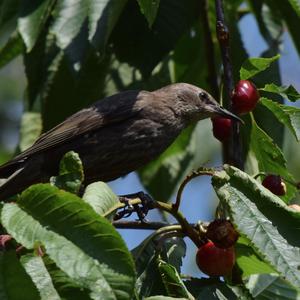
x=222, y=233
x=275, y=184
x=221, y=128
x=215, y=261
x=244, y=97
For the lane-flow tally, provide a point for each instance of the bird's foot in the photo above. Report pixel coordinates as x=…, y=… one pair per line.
x=141, y=209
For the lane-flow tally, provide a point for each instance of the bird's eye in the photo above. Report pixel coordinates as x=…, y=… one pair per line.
x=203, y=96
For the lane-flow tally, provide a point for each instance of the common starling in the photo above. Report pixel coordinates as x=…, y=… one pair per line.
x=113, y=137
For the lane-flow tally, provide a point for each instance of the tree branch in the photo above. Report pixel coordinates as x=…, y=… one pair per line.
x=145, y=225
x=140, y=225
x=232, y=152
x=188, y=178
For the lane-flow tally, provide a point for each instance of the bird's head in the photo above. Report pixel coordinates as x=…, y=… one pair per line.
x=195, y=104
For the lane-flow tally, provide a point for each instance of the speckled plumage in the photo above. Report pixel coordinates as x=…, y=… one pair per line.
x=115, y=136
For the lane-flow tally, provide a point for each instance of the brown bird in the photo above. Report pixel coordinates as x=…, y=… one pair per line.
x=113, y=137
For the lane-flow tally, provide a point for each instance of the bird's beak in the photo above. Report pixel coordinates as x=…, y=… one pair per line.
x=222, y=112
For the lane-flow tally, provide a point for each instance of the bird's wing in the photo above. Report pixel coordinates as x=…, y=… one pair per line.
x=113, y=109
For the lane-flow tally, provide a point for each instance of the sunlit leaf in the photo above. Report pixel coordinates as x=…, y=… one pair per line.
x=102, y=199
x=33, y=16
x=245, y=198
x=36, y=269
x=270, y=287
x=253, y=66
x=149, y=9
x=270, y=158
x=71, y=173
x=82, y=243
x=31, y=128
x=288, y=92
x=287, y=115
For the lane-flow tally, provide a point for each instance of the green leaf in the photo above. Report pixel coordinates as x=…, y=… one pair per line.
x=287, y=115
x=163, y=298
x=143, y=48
x=36, y=269
x=238, y=51
x=286, y=220
x=83, y=244
x=187, y=60
x=33, y=16
x=253, y=66
x=12, y=49
x=66, y=287
x=172, y=281
x=55, y=83
x=290, y=13
x=83, y=269
x=149, y=280
x=162, y=176
x=269, y=157
x=8, y=11
x=212, y=289
x=149, y=9
x=271, y=286
x=14, y=282
x=288, y=92
x=248, y=261
x=101, y=240
x=296, y=6
x=240, y=193
x=269, y=22
x=101, y=198
x=101, y=16
x=71, y=174
x=31, y=128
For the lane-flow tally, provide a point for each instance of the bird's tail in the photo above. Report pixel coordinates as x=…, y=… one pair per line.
x=20, y=177
x=11, y=185
x=9, y=168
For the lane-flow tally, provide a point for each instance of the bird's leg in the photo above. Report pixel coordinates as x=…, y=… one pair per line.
x=141, y=210
x=127, y=210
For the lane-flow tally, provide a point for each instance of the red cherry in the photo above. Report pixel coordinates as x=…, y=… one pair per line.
x=244, y=97
x=275, y=184
x=215, y=261
x=221, y=128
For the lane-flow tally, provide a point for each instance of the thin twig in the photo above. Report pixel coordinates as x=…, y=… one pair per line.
x=187, y=179
x=140, y=225
x=187, y=229
x=209, y=50
x=145, y=225
x=232, y=150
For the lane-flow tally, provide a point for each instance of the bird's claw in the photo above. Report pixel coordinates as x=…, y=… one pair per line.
x=140, y=209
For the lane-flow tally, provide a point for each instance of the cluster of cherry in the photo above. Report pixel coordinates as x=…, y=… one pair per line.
x=216, y=257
